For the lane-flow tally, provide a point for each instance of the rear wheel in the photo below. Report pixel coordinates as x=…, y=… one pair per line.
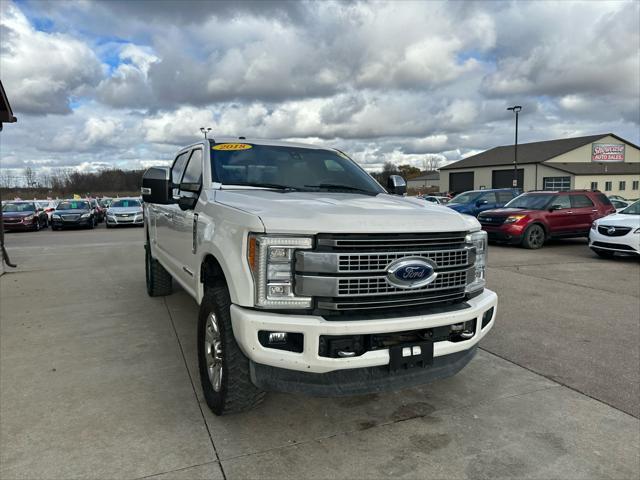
x=533, y=237
x=159, y=281
x=224, y=370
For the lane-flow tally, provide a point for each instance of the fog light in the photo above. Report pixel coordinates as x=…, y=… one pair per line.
x=289, y=341
x=278, y=337
x=457, y=327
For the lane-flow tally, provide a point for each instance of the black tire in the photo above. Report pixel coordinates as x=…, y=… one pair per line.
x=37, y=227
x=533, y=237
x=90, y=225
x=107, y=225
x=236, y=393
x=603, y=253
x=159, y=281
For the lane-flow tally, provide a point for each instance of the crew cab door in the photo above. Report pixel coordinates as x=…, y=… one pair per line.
x=163, y=215
x=560, y=217
x=183, y=223
x=584, y=212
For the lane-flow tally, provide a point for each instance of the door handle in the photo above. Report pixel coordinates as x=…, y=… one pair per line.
x=594, y=210
x=569, y=211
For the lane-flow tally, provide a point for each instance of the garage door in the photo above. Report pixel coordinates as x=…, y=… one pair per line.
x=504, y=178
x=460, y=182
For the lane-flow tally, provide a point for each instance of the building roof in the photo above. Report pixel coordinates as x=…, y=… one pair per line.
x=426, y=176
x=6, y=115
x=597, y=168
x=535, y=152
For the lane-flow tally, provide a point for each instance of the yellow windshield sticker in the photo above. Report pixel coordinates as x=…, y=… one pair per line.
x=232, y=146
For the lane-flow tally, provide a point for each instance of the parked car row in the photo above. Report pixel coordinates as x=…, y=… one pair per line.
x=532, y=218
x=86, y=213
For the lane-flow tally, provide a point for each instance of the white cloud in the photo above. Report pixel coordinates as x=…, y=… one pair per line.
x=43, y=71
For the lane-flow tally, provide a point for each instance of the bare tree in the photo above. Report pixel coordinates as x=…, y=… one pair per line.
x=30, y=177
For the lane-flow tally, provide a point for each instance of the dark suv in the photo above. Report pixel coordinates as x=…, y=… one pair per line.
x=534, y=217
x=476, y=201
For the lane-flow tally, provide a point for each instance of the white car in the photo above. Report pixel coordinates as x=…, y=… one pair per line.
x=619, y=204
x=617, y=233
x=435, y=199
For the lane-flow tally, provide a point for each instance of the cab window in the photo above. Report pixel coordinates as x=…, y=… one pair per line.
x=193, y=172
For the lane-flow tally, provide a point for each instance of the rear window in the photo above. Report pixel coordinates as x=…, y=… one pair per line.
x=603, y=198
x=580, y=201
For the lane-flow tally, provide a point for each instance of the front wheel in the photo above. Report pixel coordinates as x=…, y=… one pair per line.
x=224, y=370
x=533, y=237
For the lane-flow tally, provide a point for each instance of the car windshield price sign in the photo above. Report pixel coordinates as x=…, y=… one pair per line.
x=607, y=152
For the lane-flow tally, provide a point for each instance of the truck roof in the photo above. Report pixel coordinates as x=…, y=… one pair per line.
x=266, y=141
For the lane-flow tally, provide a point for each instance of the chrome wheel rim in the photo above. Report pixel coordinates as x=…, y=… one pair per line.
x=213, y=352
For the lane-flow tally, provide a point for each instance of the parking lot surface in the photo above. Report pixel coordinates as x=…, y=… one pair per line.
x=98, y=380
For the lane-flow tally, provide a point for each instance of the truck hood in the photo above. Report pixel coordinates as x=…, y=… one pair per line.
x=334, y=212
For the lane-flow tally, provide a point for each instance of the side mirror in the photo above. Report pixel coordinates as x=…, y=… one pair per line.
x=396, y=185
x=555, y=207
x=156, y=186
x=481, y=202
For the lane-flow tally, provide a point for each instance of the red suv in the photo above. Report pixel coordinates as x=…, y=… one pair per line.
x=533, y=217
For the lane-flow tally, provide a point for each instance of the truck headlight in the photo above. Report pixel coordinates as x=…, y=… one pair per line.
x=479, y=241
x=271, y=261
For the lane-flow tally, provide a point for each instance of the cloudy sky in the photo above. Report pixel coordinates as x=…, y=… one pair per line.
x=124, y=83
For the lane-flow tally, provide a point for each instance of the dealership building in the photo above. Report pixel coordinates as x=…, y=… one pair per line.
x=602, y=162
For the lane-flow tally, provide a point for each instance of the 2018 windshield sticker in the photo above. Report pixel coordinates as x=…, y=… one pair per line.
x=232, y=146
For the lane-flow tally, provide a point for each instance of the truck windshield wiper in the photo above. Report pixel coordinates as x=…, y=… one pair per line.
x=275, y=186
x=337, y=186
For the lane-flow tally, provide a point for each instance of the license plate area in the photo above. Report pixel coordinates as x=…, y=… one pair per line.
x=410, y=355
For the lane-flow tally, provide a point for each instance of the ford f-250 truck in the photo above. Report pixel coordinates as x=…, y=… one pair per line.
x=310, y=277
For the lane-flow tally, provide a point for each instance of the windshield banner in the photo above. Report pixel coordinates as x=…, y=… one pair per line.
x=607, y=152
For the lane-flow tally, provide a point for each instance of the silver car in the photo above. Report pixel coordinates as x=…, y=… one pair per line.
x=125, y=211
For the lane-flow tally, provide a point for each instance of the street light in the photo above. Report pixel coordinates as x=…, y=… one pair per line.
x=205, y=131
x=515, y=109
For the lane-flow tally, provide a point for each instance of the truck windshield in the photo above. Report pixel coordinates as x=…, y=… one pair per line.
x=530, y=201
x=289, y=168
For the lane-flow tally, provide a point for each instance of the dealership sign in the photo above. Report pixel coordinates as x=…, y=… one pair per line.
x=607, y=152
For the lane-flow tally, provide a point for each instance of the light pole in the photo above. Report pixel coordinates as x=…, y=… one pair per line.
x=515, y=109
x=205, y=131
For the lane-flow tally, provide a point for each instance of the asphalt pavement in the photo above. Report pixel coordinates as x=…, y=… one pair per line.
x=98, y=380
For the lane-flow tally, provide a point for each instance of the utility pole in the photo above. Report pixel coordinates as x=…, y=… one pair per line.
x=515, y=109
x=205, y=131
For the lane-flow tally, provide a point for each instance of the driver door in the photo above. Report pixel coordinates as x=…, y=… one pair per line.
x=183, y=223
x=560, y=220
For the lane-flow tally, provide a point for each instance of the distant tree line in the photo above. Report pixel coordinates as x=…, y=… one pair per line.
x=62, y=182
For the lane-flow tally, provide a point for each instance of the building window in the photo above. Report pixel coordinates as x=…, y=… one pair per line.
x=594, y=186
x=623, y=185
x=556, y=183
x=635, y=185
x=607, y=186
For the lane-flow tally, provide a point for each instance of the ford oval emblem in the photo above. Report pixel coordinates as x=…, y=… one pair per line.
x=411, y=272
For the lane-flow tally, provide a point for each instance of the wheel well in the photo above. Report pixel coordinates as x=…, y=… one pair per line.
x=541, y=225
x=211, y=271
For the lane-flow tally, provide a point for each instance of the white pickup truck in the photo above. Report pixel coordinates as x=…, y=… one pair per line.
x=310, y=277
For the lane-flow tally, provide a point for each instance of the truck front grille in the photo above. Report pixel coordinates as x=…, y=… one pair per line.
x=371, y=262
x=349, y=272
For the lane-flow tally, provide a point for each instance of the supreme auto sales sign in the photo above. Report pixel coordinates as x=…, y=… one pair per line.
x=607, y=152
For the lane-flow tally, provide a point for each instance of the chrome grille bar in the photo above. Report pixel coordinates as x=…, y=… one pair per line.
x=322, y=286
